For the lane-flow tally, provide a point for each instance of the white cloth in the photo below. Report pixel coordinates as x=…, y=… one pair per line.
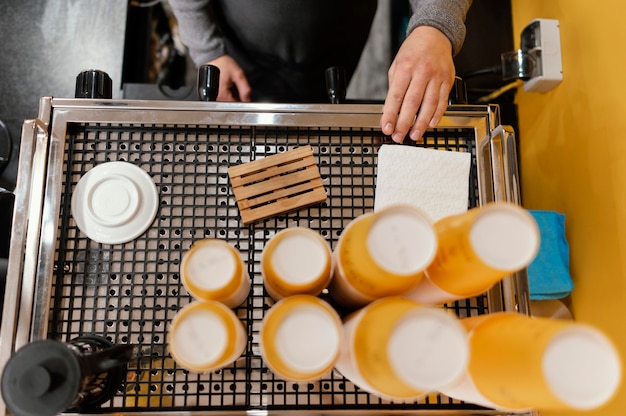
x=435, y=181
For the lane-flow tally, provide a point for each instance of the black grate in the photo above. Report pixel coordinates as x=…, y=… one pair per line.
x=129, y=293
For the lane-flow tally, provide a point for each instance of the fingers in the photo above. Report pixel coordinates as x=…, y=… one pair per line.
x=226, y=93
x=420, y=79
x=413, y=101
x=427, y=111
x=421, y=107
x=234, y=85
x=393, y=101
x=243, y=87
x=442, y=105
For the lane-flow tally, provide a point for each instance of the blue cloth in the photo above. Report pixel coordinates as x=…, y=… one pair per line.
x=548, y=274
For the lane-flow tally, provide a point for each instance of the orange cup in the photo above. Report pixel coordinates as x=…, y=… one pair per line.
x=382, y=254
x=401, y=350
x=476, y=250
x=296, y=261
x=213, y=270
x=519, y=363
x=206, y=336
x=300, y=338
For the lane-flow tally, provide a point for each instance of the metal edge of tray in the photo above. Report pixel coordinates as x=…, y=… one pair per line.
x=25, y=235
x=257, y=412
x=167, y=113
x=513, y=292
x=55, y=114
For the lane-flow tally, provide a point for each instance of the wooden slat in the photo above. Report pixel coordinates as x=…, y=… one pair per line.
x=291, y=192
x=277, y=184
x=282, y=206
x=271, y=171
x=269, y=161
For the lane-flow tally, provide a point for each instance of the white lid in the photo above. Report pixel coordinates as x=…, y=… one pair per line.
x=582, y=367
x=428, y=349
x=308, y=339
x=505, y=237
x=211, y=266
x=300, y=257
x=200, y=339
x=114, y=202
x=402, y=240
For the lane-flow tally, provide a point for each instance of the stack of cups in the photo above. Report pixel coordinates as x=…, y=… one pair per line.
x=397, y=267
x=206, y=335
x=518, y=363
x=401, y=350
x=477, y=249
x=301, y=334
x=382, y=254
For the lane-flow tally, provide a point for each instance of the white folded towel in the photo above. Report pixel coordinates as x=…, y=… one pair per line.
x=435, y=181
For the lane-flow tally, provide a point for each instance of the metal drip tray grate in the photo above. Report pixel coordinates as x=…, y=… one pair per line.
x=130, y=292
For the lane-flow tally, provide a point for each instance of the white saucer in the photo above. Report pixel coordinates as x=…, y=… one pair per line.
x=114, y=202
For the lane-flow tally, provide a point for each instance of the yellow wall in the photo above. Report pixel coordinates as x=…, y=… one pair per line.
x=573, y=156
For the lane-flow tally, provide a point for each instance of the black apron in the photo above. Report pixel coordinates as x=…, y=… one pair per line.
x=285, y=46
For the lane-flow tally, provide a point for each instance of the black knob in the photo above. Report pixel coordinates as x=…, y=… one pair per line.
x=208, y=82
x=458, y=93
x=42, y=378
x=36, y=379
x=94, y=83
x=336, y=84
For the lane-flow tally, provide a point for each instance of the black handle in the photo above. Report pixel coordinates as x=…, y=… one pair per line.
x=336, y=87
x=106, y=360
x=208, y=82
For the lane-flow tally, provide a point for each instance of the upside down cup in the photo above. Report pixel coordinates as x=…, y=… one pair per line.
x=381, y=254
x=296, y=261
x=300, y=338
x=213, y=270
x=401, y=350
x=206, y=336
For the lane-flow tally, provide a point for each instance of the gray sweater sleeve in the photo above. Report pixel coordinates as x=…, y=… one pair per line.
x=446, y=15
x=198, y=29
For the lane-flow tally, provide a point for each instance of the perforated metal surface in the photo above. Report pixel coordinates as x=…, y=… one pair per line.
x=129, y=293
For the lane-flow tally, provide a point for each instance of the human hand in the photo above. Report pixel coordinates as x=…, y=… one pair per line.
x=233, y=82
x=420, y=78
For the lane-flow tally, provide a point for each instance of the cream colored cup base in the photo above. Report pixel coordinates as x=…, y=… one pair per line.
x=205, y=336
x=296, y=261
x=212, y=269
x=300, y=338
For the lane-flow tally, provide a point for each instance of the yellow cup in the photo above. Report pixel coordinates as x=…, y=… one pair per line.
x=205, y=336
x=519, y=363
x=382, y=254
x=401, y=350
x=300, y=338
x=296, y=261
x=213, y=270
x=476, y=250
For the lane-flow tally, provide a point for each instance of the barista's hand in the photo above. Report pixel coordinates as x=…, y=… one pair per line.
x=420, y=78
x=233, y=82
